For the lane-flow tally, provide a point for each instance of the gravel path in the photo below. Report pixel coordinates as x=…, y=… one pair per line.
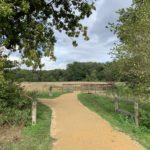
x=76, y=128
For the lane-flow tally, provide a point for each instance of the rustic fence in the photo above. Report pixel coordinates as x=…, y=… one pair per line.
x=94, y=88
x=69, y=87
x=84, y=87
x=57, y=88
x=34, y=112
x=135, y=104
x=34, y=109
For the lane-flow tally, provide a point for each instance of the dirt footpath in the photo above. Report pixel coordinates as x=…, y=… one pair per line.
x=76, y=128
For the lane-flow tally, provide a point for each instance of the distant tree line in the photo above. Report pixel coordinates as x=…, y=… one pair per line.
x=77, y=71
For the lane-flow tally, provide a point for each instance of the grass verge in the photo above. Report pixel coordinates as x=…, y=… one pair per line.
x=36, y=137
x=104, y=107
x=46, y=94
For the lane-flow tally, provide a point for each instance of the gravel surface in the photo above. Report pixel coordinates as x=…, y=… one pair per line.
x=77, y=128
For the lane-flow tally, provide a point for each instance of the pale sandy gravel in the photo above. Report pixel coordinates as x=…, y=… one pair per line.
x=76, y=128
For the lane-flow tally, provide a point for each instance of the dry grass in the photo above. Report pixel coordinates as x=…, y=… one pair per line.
x=44, y=86
x=10, y=134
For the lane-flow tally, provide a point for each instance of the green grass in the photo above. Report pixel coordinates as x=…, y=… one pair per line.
x=36, y=137
x=104, y=107
x=46, y=94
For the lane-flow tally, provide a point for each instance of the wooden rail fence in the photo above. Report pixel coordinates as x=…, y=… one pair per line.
x=135, y=104
x=34, y=109
x=94, y=88
x=34, y=112
x=84, y=87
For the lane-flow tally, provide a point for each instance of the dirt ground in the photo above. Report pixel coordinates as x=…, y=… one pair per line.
x=76, y=128
x=10, y=134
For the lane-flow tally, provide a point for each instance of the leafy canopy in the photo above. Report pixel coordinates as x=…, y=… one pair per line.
x=133, y=52
x=28, y=26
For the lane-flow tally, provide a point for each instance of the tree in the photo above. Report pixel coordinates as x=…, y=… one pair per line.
x=92, y=76
x=133, y=51
x=111, y=71
x=1, y=69
x=28, y=26
x=77, y=71
x=1, y=64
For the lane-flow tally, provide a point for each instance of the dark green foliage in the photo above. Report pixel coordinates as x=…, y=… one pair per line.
x=15, y=107
x=79, y=71
x=92, y=76
x=111, y=71
x=144, y=118
x=76, y=71
x=28, y=26
x=145, y=115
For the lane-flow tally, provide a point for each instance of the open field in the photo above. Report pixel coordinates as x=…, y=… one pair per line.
x=44, y=86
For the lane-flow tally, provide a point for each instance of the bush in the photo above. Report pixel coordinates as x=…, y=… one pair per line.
x=15, y=107
x=145, y=118
x=121, y=89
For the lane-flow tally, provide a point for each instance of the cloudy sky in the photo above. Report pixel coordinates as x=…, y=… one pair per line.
x=101, y=39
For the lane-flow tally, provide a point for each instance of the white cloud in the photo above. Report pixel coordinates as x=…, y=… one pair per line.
x=101, y=39
x=15, y=56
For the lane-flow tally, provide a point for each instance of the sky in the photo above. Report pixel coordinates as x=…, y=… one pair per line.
x=101, y=41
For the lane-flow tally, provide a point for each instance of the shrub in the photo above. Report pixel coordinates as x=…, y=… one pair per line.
x=145, y=118
x=15, y=107
x=121, y=89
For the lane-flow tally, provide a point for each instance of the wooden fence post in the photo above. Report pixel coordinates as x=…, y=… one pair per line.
x=136, y=113
x=116, y=103
x=95, y=89
x=50, y=90
x=34, y=107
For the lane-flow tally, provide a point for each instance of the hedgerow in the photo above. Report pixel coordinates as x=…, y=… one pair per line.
x=15, y=106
